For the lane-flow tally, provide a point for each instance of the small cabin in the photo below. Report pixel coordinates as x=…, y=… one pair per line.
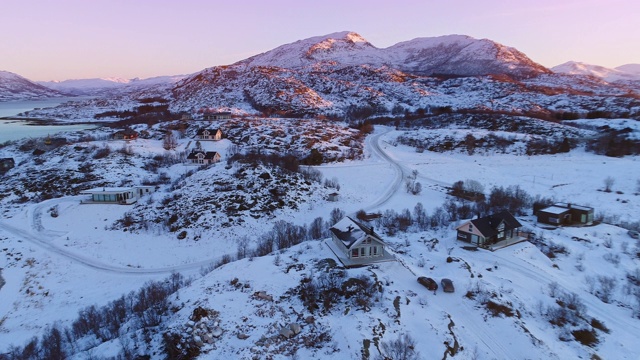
x=565, y=214
x=117, y=195
x=217, y=115
x=126, y=134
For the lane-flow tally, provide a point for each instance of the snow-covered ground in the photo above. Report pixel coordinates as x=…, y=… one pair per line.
x=54, y=267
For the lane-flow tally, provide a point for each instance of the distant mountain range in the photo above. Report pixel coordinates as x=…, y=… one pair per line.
x=342, y=73
x=102, y=86
x=630, y=72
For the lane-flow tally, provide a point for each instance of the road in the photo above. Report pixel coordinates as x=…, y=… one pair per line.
x=402, y=172
x=42, y=237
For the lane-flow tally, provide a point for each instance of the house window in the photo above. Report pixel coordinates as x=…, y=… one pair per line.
x=354, y=253
x=375, y=250
x=362, y=252
x=470, y=227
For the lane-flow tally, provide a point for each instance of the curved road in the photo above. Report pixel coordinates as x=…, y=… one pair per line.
x=374, y=144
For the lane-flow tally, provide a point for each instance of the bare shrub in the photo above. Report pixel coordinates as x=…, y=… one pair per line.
x=608, y=183
x=102, y=152
x=402, y=348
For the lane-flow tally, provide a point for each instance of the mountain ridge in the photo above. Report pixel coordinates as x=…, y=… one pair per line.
x=16, y=87
x=458, y=55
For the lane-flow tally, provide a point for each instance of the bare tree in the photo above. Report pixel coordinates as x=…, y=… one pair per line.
x=316, y=229
x=473, y=186
x=608, y=183
x=607, y=285
x=169, y=142
x=336, y=215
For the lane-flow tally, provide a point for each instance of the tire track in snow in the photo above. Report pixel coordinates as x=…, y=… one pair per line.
x=43, y=241
x=594, y=308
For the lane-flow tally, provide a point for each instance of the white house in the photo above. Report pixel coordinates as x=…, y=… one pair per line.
x=357, y=244
x=117, y=195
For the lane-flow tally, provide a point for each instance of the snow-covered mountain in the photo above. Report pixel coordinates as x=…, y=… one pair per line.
x=16, y=87
x=630, y=68
x=337, y=73
x=445, y=55
x=100, y=86
x=625, y=72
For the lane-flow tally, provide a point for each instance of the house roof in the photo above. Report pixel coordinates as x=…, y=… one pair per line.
x=116, y=190
x=127, y=131
x=556, y=210
x=211, y=131
x=488, y=225
x=573, y=206
x=108, y=190
x=207, y=155
x=350, y=232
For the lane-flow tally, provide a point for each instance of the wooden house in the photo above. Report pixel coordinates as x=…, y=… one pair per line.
x=126, y=134
x=209, y=134
x=201, y=157
x=565, y=214
x=357, y=241
x=489, y=229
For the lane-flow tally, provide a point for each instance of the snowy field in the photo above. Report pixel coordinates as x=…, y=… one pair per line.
x=54, y=267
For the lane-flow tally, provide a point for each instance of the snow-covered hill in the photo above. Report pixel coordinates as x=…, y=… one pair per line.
x=607, y=74
x=102, y=274
x=630, y=68
x=16, y=87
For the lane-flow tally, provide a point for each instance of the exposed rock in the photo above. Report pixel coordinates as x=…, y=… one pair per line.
x=216, y=332
x=263, y=296
x=310, y=319
x=198, y=341
x=286, y=332
x=243, y=336
x=295, y=328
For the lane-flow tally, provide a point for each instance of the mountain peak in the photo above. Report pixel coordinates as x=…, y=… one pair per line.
x=459, y=55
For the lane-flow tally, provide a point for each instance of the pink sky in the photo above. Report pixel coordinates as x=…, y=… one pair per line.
x=71, y=39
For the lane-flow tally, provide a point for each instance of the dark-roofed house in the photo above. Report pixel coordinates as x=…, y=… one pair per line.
x=357, y=244
x=126, y=134
x=209, y=134
x=489, y=229
x=565, y=214
x=202, y=157
x=217, y=115
x=6, y=164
